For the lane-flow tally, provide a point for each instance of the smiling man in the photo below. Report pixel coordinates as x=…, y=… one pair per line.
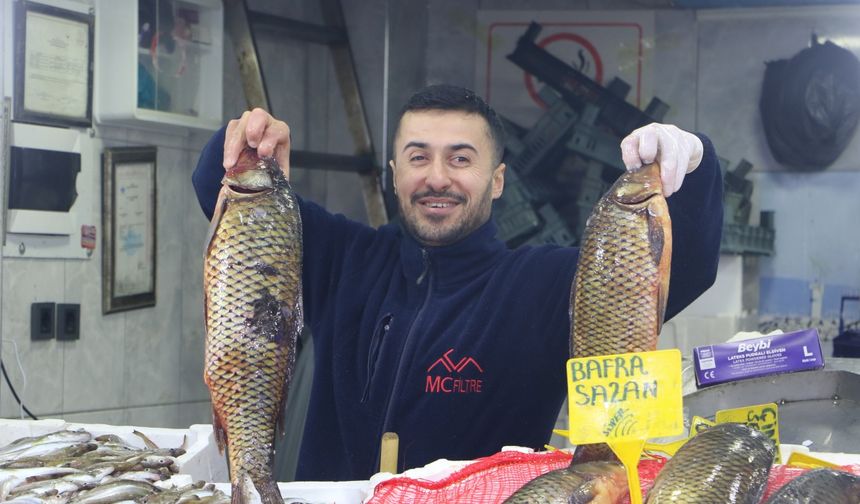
x=433, y=329
x=447, y=172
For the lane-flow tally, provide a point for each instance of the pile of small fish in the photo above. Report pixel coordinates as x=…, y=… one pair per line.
x=74, y=466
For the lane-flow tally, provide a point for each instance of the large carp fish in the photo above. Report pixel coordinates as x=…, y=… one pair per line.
x=725, y=464
x=618, y=299
x=253, y=302
x=617, y=304
x=819, y=485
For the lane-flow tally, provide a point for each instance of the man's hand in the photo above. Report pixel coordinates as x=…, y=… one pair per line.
x=259, y=130
x=677, y=151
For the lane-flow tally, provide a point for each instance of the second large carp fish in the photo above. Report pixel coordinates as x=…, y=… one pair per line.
x=253, y=302
x=618, y=300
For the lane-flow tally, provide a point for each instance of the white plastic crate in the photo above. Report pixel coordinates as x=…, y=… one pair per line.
x=201, y=460
x=319, y=492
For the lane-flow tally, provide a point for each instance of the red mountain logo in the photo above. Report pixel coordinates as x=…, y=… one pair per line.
x=446, y=361
x=450, y=384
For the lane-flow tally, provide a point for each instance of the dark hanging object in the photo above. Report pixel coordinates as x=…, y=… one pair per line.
x=810, y=105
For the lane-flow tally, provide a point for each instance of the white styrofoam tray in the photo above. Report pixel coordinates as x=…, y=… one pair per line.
x=201, y=460
x=319, y=492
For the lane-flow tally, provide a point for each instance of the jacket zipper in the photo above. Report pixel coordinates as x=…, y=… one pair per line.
x=406, y=345
x=373, y=353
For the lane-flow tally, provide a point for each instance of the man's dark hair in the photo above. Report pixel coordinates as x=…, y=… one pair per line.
x=448, y=97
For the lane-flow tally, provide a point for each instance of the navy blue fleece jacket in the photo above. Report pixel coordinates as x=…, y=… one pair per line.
x=459, y=349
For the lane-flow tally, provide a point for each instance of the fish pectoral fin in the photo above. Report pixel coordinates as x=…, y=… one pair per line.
x=291, y=326
x=213, y=227
x=220, y=432
x=656, y=238
x=662, y=296
x=269, y=492
x=216, y=218
x=661, y=253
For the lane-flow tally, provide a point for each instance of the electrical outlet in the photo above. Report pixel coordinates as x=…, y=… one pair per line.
x=68, y=322
x=42, y=321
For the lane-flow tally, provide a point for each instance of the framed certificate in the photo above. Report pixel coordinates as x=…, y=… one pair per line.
x=129, y=224
x=53, y=65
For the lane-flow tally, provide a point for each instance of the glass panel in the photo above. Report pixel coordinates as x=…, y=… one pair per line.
x=171, y=42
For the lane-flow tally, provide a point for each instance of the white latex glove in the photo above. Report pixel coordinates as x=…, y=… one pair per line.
x=677, y=151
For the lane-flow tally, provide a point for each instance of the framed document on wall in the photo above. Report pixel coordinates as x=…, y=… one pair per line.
x=53, y=65
x=129, y=223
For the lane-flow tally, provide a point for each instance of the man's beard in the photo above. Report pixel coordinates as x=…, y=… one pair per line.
x=438, y=233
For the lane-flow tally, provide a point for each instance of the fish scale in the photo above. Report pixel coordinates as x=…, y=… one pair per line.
x=252, y=277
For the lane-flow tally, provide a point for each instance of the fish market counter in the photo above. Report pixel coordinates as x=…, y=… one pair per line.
x=818, y=412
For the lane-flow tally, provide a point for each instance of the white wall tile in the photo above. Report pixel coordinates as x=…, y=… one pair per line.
x=42, y=361
x=191, y=386
x=675, y=36
x=724, y=297
x=93, y=365
x=191, y=413
x=154, y=416
x=686, y=332
x=732, y=70
x=107, y=417
x=152, y=343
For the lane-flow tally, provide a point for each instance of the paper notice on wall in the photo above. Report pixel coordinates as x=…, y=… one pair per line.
x=600, y=44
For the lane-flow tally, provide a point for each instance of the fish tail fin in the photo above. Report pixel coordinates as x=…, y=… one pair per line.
x=269, y=492
x=236, y=496
x=246, y=491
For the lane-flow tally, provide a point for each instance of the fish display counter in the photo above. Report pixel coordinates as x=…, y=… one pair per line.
x=497, y=478
x=186, y=458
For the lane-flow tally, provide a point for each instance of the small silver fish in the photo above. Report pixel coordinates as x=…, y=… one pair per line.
x=115, y=491
x=12, y=478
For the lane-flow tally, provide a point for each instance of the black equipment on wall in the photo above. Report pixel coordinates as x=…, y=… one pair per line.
x=810, y=105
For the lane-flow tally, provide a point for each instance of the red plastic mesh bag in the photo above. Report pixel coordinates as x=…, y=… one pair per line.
x=488, y=480
x=493, y=479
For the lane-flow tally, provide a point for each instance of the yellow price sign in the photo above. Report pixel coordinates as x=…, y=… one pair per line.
x=698, y=424
x=624, y=397
x=622, y=400
x=763, y=417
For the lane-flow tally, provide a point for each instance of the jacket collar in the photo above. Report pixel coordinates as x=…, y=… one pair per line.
x=451, y=264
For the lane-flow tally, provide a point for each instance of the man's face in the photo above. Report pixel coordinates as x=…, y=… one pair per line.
x=445, y=177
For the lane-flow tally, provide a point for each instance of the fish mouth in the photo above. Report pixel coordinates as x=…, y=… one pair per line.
x=238, y=190
x=636, y=198
x=245, y=190
x=248, y=181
